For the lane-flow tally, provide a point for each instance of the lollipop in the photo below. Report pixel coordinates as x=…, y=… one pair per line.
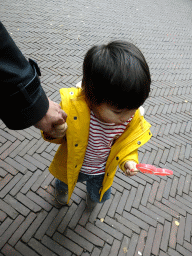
x=147, y=168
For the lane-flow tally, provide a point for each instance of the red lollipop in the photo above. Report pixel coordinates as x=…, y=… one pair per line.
x=147, y=168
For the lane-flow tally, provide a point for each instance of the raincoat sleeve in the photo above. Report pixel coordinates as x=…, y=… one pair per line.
x=133, y=156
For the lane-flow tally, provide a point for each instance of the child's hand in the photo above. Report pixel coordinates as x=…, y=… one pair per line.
x=130, y=168
x=58, y=131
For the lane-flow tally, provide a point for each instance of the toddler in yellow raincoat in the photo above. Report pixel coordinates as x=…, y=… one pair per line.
x=105, y=124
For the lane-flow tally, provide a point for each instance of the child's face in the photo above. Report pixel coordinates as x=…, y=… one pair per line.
x=109, y=114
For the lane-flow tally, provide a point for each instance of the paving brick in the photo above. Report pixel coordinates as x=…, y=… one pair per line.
x=16, y=166
x=174, y=229
x=27, y=202
x=10, y=185
x=122, y=201
x=187, y=184
x=183, y=251
x=159, y=211
x=157, y=239
x=166, y=209
x=174, y=186
x=115, y=248
x=40, y=179
x=173, y=252
x=188, y=227
x=46, y=223
x=79, y=240
x=124, y=246
x=38, y=200
x=163, y=254
x=77, y=215
x=152, y=214
x=25, y=163
x=8, y=209
x=48, y=198
x=167, y=188
x=39, y=248
x=153, y=192
x=100, y=233
x=28, y=145
x=186, y=205
x=172, y=204
x=114, y=204
x=111, y=231
x=149, y=242
x=106, y=250
x=7, y=136
x=118, y=226
x=130, y=199
x=125, y=181
x=68, y=244
x=55, y=223
x=22, y=228
x=89, y=236
x=35, y=162
x=6, y=180
x=3, y=216
x=181, y=185
x=24, y=249
x=3, y=173
x=146, y=195
x=141, y=243
x=11, y=229
x=160, y=190
x=52, y=245
x=16, y=205
x=4, y=226
x=135, y=228
x=144, y=217
x=188, y=246
x=67, y=218
x=8, y=250
x=133, y=244
x=105, y=207
x=136, y=220
x=96, y=252
x=33, y=228
x=10, y=149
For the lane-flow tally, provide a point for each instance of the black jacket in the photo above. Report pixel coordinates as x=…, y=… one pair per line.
x=23, y=100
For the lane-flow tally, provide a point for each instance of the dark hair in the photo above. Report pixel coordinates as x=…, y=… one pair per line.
x=117, y=74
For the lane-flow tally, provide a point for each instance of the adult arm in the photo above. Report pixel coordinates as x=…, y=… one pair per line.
x=23, y=102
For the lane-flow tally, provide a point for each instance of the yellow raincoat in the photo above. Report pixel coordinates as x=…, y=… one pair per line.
x=69, y=157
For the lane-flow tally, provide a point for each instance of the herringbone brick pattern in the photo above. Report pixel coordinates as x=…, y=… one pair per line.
x=146, y=215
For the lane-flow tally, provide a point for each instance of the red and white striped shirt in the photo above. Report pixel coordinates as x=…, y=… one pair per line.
x=101, y=138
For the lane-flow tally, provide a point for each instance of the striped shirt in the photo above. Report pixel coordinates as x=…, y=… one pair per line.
x=101, y=138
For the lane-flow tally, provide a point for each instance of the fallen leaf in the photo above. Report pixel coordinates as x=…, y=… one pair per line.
x=186, y=100
x=176, y=223
x=125, y=249
x=101, y=219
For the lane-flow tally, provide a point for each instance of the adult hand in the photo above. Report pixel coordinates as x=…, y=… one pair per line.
x=130, y=168
x=54, y=117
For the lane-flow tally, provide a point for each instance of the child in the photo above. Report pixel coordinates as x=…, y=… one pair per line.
x=105, y=126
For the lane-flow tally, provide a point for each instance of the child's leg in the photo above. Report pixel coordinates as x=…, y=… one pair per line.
x=94, y=185
x=61, y=192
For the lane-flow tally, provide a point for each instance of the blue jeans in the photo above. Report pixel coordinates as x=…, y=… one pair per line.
x=93, y=184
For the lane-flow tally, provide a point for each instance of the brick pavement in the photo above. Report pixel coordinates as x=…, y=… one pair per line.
x=143, y=214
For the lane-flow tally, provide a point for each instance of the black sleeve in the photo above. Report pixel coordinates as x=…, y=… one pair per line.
x=23, y=100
